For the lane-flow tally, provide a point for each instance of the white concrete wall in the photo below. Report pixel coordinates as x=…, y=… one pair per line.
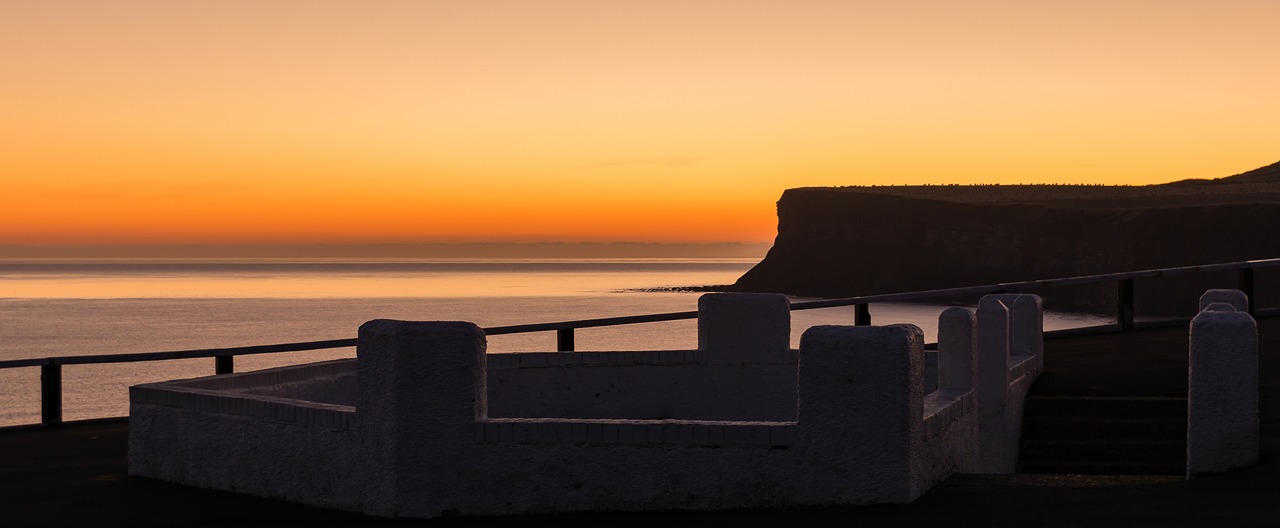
x=738, y=328
x=862, y=411
x=957, y=343
x=1026, y=361
x=1026, y=324
x=422, y=389
x=641, y=385
x=1222, y=390
x=743, y=369
x=426, y=444
x=859, y=440
x=1236, y=298
x=1010, y=355
x=951, y=420
x=212, y=433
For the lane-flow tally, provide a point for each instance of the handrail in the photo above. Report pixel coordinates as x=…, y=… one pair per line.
x=51, y=374
x=590, y=323
x=179, y=354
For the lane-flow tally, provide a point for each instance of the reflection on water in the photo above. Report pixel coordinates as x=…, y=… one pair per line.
x=85, y=308
x=296, y=279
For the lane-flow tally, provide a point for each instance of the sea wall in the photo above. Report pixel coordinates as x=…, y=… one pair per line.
x=743, y=369
x=845, y=242
x=421, y=440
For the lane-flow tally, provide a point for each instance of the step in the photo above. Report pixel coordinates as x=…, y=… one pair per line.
x=1053, y=427
x=1102, y=457
x=1105, y=407
x=1074, y=467
x=1058, y=480
x=1033, y=450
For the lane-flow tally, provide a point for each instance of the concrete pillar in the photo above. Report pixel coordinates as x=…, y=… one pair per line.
x=743, y=327
x=1236, y=298
x=1222, y=391
x=861, y=406
x=996, y=452
x=421, y=387
x=1026, y=322
x=957, y=341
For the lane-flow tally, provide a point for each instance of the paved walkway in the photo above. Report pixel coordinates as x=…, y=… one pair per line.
x=76, y=475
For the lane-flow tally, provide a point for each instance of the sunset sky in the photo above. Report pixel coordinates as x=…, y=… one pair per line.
x=214, y=122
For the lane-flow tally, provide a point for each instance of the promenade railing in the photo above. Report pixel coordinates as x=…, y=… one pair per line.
x=224, y=358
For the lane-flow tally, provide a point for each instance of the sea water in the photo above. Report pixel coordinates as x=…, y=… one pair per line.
x=92, y=307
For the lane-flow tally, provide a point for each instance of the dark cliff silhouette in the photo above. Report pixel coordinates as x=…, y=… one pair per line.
x=866, y=240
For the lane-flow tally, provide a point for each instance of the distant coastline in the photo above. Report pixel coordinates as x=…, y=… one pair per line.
x=486, y=250
x=853, y=241
x=708, y=288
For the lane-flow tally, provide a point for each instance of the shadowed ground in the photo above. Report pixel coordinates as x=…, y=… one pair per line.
x=76, y=475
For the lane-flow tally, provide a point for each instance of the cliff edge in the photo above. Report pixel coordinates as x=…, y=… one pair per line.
x=846, y=241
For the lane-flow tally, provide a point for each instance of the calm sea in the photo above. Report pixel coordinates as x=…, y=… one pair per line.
x=81, y=307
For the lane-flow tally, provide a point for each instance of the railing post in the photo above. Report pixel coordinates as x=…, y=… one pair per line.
x=224, y=364
x=997, y=447
x=51, y=394
x=1246, y=286
x=1124, y=304
x=862, y=314
x=1222, y=391
x=564, y=340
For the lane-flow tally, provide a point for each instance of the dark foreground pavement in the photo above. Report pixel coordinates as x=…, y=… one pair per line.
x=76, y=475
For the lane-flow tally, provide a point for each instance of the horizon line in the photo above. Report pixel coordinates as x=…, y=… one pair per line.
x=619, y=249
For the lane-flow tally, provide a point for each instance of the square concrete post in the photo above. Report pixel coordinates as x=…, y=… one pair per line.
x=421, y=387
x=1236, y=298
x=743, y=327
x=1222, y=391
x=1026, y=322
x=861, y=406
x=957, y=341
x=996, y=452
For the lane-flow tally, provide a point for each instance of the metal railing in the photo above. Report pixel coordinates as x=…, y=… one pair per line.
x=224, y=358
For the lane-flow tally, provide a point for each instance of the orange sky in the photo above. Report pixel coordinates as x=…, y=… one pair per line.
x=671, y=121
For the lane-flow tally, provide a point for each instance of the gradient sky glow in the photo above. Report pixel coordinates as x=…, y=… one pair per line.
x=554, y=120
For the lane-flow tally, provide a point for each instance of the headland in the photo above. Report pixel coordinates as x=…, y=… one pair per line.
x=849, y=241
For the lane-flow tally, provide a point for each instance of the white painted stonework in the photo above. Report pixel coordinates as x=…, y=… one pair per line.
x=1222, y=386
x=1236, y=298
x=423, y=423
x=1010, y=346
